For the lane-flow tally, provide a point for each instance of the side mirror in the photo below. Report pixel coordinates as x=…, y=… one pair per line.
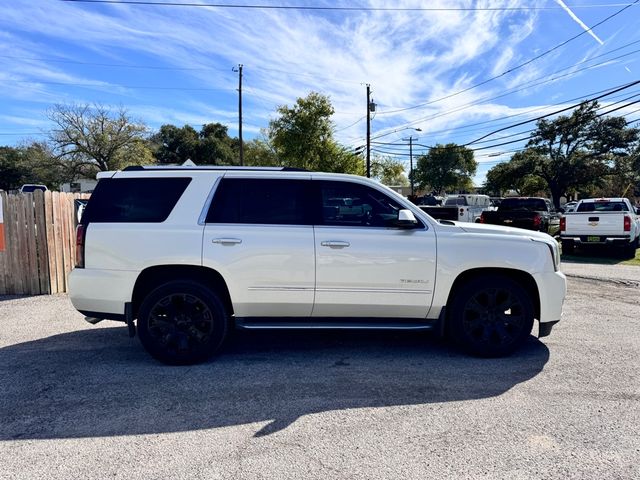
x=406, y=219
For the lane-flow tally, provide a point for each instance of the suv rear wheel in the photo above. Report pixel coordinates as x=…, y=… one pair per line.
x=182, y=323
x=491, y=316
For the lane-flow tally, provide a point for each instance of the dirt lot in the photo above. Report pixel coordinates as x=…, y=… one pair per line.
x=78, y=401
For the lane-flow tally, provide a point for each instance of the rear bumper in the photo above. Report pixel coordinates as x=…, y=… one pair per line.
x=602, y=239
x=101, y=291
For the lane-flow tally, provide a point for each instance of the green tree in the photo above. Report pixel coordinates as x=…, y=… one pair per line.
x=174, y=145
x=388, y=171
x=258, y=153
x=13, y=171
x=445, y=168
x=31, y=163
x=210, y=146
x=216, y=147
x=302, y=137
x=94, y=138
x=517, y=175
x=579, y=151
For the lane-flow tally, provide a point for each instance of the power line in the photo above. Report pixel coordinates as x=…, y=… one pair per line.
x=388, y=145
x=516, y=90
x=467, y=128
x=601, y=107
x=629, y=85
x=112, y=85
x=505, y=93
x=352, y=9
x=160, y=67
x=351, y=125
x=517, y=67
x=114, y=65
x=21, y=133
x=400, y=144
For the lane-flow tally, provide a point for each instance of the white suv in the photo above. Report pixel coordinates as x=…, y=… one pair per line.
x=192, y=252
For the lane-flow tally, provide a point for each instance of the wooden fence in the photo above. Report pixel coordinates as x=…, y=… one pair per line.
x=40, y=242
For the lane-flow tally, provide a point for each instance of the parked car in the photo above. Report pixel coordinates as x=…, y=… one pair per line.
x=530, y=213
x=461, y=208
x=602, y=221
x=184, y=254
x=32, y=187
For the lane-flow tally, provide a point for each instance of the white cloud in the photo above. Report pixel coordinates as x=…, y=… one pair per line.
x=408, y=58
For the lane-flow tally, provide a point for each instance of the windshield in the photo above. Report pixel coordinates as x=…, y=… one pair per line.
x=455, y=201
x=32, y=188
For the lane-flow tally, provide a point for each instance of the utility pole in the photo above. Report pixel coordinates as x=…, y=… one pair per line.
x=411, y=163
x=239, y=70
x=368, y=131
x=410, y=140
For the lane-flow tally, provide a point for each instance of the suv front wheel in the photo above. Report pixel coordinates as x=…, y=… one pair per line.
x=182, y=323
x=491, y=316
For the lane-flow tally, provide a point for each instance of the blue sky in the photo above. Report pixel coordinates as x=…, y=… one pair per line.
x=173, y=64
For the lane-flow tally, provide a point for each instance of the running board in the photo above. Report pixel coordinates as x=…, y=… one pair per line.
x=256, y=323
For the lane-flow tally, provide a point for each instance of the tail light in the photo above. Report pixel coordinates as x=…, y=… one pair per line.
x=80, y=234
x=627, y=224
x=482, y=218
x=563, y=224
x=536, y=220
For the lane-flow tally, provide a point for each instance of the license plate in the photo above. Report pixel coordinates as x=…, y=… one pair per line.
x=593, y=239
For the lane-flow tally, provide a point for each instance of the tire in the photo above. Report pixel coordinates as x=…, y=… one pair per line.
x=630, y=250
x=182, y=323
x=491, y=316
x=568, y=247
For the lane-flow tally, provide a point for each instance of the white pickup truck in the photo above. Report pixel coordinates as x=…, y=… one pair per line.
x=601, y=221
x=469, y=208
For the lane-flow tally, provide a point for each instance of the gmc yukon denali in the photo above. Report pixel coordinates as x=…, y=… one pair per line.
x=182, y=255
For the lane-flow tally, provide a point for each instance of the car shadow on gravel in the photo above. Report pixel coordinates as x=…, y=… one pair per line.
x=100, y=383
x=600, y=255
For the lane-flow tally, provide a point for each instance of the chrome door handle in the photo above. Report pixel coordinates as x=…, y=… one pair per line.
x=335, y=244
x=226, y=241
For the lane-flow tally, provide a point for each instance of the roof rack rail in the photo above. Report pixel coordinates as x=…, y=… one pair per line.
x=137, y=168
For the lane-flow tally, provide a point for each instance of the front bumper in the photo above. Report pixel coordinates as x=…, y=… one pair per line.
x=552, y=288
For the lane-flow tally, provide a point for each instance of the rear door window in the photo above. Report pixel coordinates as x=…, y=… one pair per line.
x=262, y=201
x=134, y=200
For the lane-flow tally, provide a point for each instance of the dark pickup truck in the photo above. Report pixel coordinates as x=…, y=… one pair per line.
x=530, y=213
x=440, y=213
x=433, y=206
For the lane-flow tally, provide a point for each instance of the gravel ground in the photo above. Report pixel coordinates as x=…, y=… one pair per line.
x=78, y=401
x=616, y=273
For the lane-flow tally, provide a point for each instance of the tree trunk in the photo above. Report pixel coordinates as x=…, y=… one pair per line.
x=556, y=193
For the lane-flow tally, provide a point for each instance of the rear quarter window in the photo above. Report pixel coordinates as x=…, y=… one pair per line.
x=134, y=200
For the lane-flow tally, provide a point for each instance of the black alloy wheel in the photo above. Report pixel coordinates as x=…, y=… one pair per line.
x=491, y=316
x=182, y=323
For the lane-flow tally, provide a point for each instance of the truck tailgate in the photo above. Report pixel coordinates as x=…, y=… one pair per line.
x=594, y=223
